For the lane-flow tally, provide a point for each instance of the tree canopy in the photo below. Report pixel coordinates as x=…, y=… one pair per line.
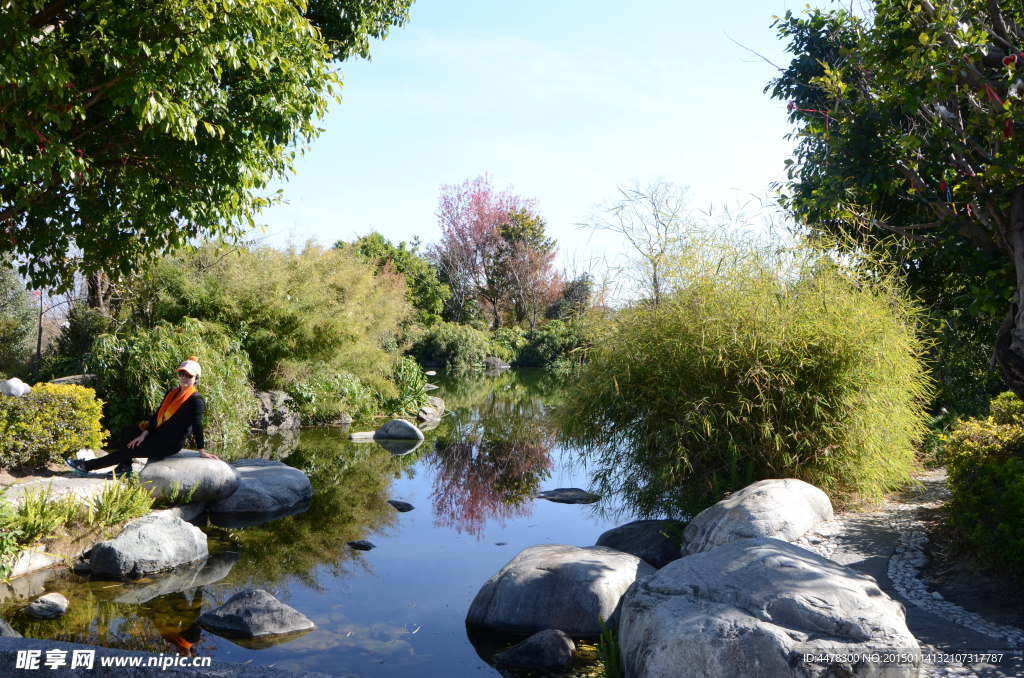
x=424, y=290
x=127, y=130
x=910, y=125
x=494, y=249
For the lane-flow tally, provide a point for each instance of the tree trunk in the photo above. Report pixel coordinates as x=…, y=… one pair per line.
x=99, y=292
x=1009, y=350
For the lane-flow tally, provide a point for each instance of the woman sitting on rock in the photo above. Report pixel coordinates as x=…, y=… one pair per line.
x=164, y=434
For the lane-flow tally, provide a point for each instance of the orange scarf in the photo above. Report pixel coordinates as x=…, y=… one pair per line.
x=172, y=401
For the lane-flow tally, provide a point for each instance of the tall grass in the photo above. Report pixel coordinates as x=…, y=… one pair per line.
x=120, y=501
x=759, y=364
x=41, y=514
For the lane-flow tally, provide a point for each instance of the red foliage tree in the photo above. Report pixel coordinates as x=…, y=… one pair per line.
x=493, y=249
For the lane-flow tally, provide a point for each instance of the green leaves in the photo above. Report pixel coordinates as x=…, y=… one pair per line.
x=125, y=133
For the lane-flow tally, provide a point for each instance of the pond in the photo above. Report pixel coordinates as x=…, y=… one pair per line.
x=397, y=610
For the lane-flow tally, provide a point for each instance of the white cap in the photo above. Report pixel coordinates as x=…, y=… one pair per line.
x=191, y=366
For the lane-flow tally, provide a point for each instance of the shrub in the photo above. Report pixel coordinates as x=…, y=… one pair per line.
x=75, y=341
x=48, y=424
x=452, y=345
x=10, y=534
x=292, y=311
x=322, y=398
x=135, y=369
x=410, y=383
x=754, y=368
x=556, y=342
x=507, y=342
x=985, y=462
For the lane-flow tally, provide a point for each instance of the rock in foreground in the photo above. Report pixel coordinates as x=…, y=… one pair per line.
x=554, y=586
x=779, y=509
x=188, y=474
x=399, y=428
x=254, y=614
x=150, y=544
x=756, y=607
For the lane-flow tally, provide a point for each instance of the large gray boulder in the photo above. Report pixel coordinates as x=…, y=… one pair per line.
x=549, y=650
x=253, y=614
x=756, y=607
x=14, y=387
x=399, y=428
x=554, y=586
x=275, y=412
x=150, y=544
x=267, y=489
x=50, y=606
x=656, y=541
x=781, y=509
x=6, y=631
x=188, y=474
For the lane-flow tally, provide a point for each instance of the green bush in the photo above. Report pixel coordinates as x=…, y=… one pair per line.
x=322, y=398
x=50, y=423
x=135, y=369
x=754, y=368
x=985, y=462
x=294, y=312
x=75, y=341
x=410, y=383
x=557, y=342
x=452, y=345
x=1006, y=409
x=507, y=342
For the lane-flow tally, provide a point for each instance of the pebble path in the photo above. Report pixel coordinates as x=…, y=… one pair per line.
x=906, y=519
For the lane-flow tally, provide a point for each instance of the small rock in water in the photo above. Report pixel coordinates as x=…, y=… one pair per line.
x=549, y=650
x=401, y=506
x=362, y=545
x=50, y=606
x=501, y=543
x=569, y=495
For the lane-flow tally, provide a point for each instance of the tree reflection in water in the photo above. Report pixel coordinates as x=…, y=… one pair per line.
x=490, y=463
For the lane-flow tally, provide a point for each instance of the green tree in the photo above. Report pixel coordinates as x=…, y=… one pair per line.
x=126, y=131
x=17, y=319
x=910, y=126
x=524, y=268
x=424, y=290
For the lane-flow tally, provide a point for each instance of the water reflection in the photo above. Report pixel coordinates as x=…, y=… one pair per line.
x=395, y=612
x=350, y=494
x=493, y=454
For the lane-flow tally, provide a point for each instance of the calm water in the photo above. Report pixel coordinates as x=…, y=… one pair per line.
x=397, y=610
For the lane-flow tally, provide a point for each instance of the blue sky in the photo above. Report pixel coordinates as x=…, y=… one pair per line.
x=559, y=100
